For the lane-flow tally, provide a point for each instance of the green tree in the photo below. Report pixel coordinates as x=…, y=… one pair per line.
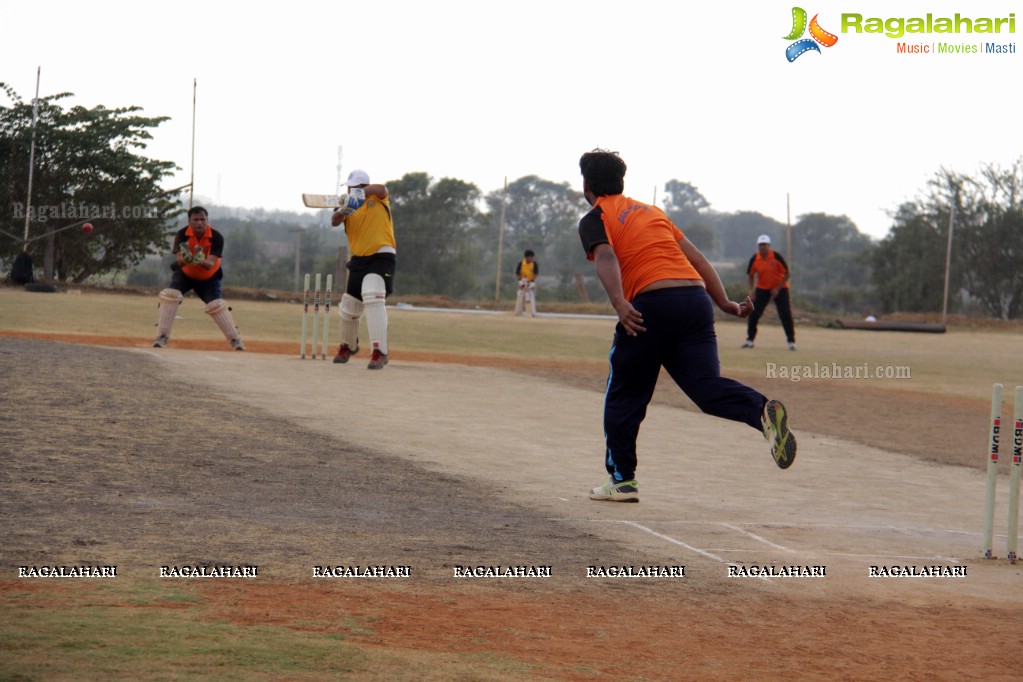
x=435, y=224
x=688, y=209
x=829, y=261
x=987, y=234
x=86, y=169
x=541, y=215
x=736, y=234
x=907, y=267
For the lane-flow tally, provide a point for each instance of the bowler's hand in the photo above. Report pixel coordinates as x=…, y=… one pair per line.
x=740, y=310
x=630, y=318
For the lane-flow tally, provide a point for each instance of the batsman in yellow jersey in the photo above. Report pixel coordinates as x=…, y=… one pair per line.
x=527, y=271
x=366, y=218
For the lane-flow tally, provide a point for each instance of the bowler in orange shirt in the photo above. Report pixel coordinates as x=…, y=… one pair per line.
x=664, y=291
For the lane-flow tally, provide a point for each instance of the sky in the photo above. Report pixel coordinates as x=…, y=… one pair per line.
x=484, y=91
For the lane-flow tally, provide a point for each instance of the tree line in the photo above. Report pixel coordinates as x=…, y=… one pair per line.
x=458, y=241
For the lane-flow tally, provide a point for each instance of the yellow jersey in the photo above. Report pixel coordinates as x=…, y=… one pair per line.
x=370, y=229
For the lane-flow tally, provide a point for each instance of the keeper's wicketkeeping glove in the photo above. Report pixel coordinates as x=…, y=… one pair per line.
x=190, y=258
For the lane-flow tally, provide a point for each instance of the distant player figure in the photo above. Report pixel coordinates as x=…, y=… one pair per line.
x=370, y=229
x=769, y=281
x=21, y=269
x=198, y=250
x=663, y=290
x=527, y=271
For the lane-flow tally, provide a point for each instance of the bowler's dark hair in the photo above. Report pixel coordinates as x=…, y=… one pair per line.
x=198, y=209
x=603, y=171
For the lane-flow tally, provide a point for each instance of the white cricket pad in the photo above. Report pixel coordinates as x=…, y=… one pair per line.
x=170, y=299
x=374, y=296
x=221, y=314
x=350, y=311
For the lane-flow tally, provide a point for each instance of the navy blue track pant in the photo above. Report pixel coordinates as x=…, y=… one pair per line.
x=680, y=337
x=761, y=298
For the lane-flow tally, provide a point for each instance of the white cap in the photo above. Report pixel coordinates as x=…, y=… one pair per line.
x=357, y=177
x=763, y=239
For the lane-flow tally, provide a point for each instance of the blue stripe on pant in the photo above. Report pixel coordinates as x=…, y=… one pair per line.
x=680, y=337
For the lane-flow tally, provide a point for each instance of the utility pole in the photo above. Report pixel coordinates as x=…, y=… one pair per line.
x=298, y=255
x=500, y=243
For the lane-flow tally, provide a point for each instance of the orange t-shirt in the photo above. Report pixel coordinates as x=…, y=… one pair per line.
x=770, y=271
x=644, y=240
x=192, y=242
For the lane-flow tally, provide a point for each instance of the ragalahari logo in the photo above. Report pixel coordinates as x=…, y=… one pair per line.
x=803, y=45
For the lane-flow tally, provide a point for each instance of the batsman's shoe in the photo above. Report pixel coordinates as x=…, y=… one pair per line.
x=160, y=341
x=377, y=360
x=237, y=344
x=776, y=431
x=616, y=491
x=344, y=354
x=748, y=344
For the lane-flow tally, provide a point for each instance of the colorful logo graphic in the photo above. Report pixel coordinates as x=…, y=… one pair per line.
x=817, y=35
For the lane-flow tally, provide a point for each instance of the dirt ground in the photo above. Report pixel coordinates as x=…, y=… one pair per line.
x=195, y=455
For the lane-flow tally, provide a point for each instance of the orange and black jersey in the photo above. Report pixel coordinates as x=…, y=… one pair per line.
x=212, y=244
x=644, y=240
x=770, y=271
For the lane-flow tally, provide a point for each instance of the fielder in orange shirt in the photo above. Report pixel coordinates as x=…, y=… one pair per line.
x=769, y=281
x=663, y=290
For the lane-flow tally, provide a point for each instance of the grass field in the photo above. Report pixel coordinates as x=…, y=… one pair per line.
x=961, y=363
x=64, y=473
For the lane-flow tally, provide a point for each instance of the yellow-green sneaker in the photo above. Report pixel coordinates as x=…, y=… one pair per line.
x=776, y=431
x=616, y=491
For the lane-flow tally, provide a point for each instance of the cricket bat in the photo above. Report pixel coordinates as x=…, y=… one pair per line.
x=324, y=200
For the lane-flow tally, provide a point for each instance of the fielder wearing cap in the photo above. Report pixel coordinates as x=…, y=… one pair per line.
x=366, y=218
x=664, y=291
x=769, y=281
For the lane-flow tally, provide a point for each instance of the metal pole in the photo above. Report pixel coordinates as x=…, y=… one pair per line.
x=298, y=251
x=788, y=231
x=948, y=263
x=500, y=243
x=32, y=157
x=191, y=184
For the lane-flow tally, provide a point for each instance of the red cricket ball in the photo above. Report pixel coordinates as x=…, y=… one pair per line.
x=87, y=227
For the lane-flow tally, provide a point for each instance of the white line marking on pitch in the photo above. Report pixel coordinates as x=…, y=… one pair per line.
x=756, y=537
x=672, y=540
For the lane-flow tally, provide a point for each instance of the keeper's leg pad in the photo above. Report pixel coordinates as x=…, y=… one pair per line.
x=170, y=299
x=350, y=311
x=374, y=295
x=221, y=314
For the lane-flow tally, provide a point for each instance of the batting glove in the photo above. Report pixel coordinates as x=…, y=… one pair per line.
x=352, y=201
